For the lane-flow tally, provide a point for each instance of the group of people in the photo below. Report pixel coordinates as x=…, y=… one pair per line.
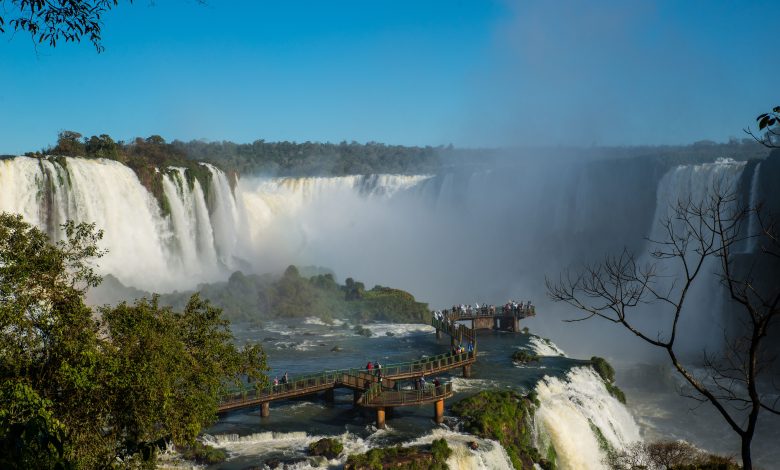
x=483, y=309
x=421, y=384
x=285, y=380
x=374, y=368
x=459, y=349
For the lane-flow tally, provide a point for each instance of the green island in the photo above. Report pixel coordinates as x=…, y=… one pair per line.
x=302, y=292
x=505, y=416
x=433, y=457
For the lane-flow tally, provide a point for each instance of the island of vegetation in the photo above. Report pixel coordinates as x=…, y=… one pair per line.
x=298, y=292
x=433, y=457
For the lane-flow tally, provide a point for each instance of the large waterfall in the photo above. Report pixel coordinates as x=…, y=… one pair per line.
x=206, y=233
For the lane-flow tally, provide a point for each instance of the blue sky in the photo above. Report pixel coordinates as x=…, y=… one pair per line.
x=471, y=73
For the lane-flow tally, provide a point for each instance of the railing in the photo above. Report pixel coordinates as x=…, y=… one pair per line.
x=356, y=378
x=457, y=331
x=484, y=312
x=377, y=395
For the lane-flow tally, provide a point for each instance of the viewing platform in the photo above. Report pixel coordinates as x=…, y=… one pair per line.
x=504, y=317
x=383, y=392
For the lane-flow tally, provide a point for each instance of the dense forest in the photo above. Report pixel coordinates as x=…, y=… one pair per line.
x=303, y=292
x=143, y=155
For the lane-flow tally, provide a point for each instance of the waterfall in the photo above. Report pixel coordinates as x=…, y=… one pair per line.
x=570, y=411
x=702, y=323
x=753, y=228
x=206, y=231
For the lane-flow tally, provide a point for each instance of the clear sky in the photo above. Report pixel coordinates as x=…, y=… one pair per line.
x=471, y=73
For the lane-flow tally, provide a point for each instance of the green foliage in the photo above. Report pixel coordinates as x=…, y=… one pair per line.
x=249, y=297
x=362, y=331
x=505, y=416
x=312, y=158
x=403, y=458
x=524, y=356
x=607, y=373
x=30, y=435
x=90, y=392
x=327, y=447
x=202, y=453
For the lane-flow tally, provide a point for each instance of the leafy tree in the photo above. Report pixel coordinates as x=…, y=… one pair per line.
x=51, y=21
x=68, y=144
x=86, y=392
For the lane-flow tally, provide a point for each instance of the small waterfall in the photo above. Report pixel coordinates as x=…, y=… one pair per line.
x=753, y=225
x=570, y=411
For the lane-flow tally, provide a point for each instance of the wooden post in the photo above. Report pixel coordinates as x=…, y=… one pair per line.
x=329, y=396
x=438, y=411
x=265, y=409
x=380, y=418
x=467, y=371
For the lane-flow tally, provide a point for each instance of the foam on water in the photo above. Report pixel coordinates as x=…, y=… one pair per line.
x=543, y=347
x=399, y=329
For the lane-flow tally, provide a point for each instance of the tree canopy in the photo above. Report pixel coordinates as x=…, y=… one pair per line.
x=52, y=21
x=83, y=391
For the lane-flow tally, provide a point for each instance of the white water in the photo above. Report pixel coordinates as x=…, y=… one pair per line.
x=488, y=456
x=209, y=233
x=703, y=322
x=753, y=225
x=544, y=347
x=568, y=407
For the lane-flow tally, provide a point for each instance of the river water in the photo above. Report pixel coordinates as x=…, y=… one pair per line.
x=306, y=346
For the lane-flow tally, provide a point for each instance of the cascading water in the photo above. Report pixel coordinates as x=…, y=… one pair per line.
x=703, y=323
x=753, y=225
x=570, y=411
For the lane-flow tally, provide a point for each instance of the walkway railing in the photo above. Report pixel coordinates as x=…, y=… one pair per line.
x=483, y=312
x=377, y=395
x=354, y=378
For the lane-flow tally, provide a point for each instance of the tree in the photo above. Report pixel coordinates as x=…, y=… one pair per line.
x=769, y=124
x=51, y=21
x=617, y=288
x=85, y=392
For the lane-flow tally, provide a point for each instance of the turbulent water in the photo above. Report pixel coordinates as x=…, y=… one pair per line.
x=464, y=235
x=569, y=393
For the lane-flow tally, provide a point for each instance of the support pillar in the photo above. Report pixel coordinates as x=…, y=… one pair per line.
x=380, y=418
x=496, y=324
x=438, y=333
x=265, y=409
x=516, y=325
x=329, y=396
x=438, y=411
x=473, y=324
x=467, y=371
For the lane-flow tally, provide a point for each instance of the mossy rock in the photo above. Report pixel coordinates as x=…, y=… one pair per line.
x=505, y=416
x=607, y=373
x=326, y=447
x=202, y=453
x=433, y=457
x=524, y=357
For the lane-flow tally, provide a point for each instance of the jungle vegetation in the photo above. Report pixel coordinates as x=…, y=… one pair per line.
x=86, y=389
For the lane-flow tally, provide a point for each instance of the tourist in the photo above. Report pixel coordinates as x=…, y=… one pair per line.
x=276, y=383
x=437, y=385
x=285, y=378
x=471, y=346
x=379, y=370
x=369, y=367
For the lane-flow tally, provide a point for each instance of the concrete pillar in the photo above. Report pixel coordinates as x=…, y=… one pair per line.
x=380, y=418
x=329, y=396
x=438, y=333
x=473, y=324
x=467, y=371
x=265, y=409
x=516, y=325
x=438, y=411
x=496, y=324
x=355, y=396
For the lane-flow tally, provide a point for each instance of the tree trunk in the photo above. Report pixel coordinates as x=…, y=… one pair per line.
x=747, y=462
